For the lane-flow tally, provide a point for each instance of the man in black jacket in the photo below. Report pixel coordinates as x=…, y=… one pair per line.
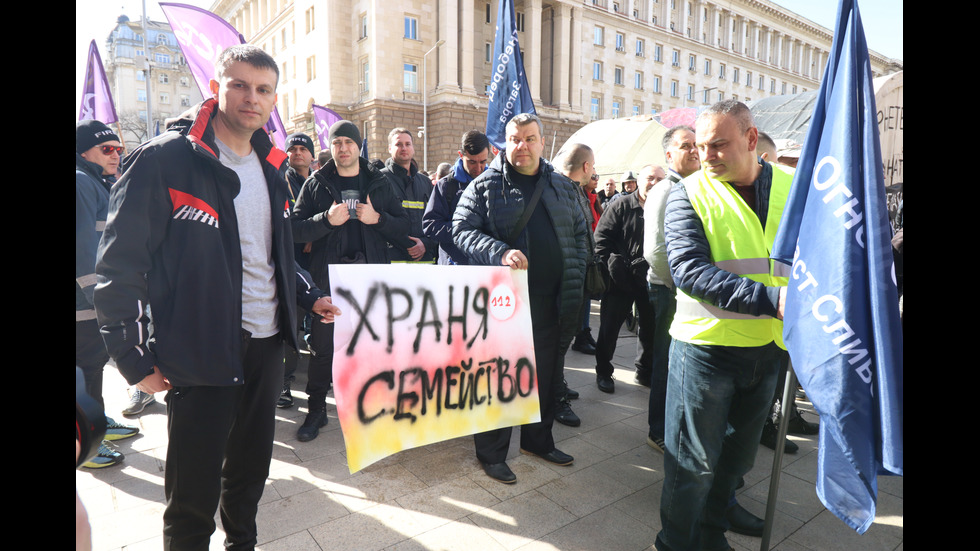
x=348, y=211
x=413, y=188
x=197, y=234
x=489, y=211
x=437, y=221
x=619, y=242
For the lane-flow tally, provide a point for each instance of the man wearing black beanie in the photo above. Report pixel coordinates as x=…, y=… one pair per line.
x=347, y=209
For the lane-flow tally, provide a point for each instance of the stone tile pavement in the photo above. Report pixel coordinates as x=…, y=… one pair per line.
x=437, y=498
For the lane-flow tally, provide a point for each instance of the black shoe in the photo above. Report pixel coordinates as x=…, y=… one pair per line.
x=555, y=456
x=499, y=472
x=565, y=415
x=583, y=346
x=642, y=378
x=743, y=522
x=285, y=398
x=741, y=482
x=587, y=334
x=569, y=393
x=311, y=427
x=769, y=439
x=605, y=383
x=799, y=425
x=631, y=322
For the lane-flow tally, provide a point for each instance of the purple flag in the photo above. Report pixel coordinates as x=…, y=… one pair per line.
x=202, y=36
x=96, y=97
x=323, y=119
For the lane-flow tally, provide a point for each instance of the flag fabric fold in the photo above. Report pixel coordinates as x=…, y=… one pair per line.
x=509, y=93
x=323, y=119
x=202, y=36
x=841, y=319
x=96, y=95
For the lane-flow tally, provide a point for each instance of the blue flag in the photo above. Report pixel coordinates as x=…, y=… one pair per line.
x=509, y=93
x=841, y=321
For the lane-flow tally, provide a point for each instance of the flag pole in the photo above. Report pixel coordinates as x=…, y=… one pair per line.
x=779, y=449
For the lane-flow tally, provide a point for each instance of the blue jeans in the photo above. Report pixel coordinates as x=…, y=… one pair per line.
x=717, y=401
x=664, y=304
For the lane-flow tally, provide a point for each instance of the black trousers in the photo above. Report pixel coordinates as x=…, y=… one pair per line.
x=220, y=448
x=492, y=446
x=615, y=305
x=91, y=356
x=320, y=375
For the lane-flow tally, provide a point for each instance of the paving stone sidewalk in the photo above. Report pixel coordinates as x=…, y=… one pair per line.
x=437, y=497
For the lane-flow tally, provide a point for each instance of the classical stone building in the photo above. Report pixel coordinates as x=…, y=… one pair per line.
x=151, y=72
x=369, y=61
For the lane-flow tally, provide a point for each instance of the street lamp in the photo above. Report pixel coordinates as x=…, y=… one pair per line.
x=425, y=108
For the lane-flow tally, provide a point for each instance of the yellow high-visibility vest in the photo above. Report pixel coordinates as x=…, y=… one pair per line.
x=740, y=245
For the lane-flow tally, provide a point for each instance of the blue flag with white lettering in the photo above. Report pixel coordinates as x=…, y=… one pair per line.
x=841, y=321
x=509, y=93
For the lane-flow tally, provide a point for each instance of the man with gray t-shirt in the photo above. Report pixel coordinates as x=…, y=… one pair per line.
x=198, y=233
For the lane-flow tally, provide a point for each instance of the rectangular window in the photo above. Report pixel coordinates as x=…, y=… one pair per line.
x=489, y=16
x=639, y=47
x=595, y=109
x=658, y=53
x=656, y=85
x=364, y=25
x=615, y=110
x=772, y=86
x=673, y=88
x=411, y=28
x=620, y=42
x=596, y=70
x=690, y=91
x=366, y=76
x=707, y=97
x=721, y=71
x=598, y=36
x=692, y=62
x=185, y=101
x=163, y=78
x=487, y=52
x=141, y=95
x=675, y=59
x=748, y=78
x=636, y=110
x=310, y=68
x=164, y=98
x=707, y=67
x=519, y=21
x=735, y=75
x=162, y=58
x=638, y=80
x=310, y=21
x=140, y=76
x=618, y=76
x=411, y=78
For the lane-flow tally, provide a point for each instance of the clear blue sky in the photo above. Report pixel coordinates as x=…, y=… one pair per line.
x=94, y=19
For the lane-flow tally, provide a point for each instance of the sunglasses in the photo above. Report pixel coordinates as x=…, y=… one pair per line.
x=108, y=149
x=595, y=177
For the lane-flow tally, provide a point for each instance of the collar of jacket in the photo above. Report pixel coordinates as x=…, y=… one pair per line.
x=197, y=125
x=396, y=169
x=503, y=167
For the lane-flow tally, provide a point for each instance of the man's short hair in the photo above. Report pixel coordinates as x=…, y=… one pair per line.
x=324, y=156
x=767, y=145
x=474, y=142
x=247, y=53
x=524, y=119
x=397, y=132
x=733, y=108
x=669, y=136
x=443, y=169
x=576, y=155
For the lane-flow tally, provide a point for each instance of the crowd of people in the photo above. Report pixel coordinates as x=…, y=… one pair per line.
x=221, y=243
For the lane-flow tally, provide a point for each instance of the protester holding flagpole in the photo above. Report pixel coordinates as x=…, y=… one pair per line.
x=719, y=224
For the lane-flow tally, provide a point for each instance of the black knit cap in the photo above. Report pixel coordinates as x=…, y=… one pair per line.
x=90, y=133
x=299, y=139
x=345, y=129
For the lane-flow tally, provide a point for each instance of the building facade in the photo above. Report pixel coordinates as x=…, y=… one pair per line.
x=148, y=78
x=378, y=64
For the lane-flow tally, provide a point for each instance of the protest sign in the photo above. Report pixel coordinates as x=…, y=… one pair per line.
x=426, y=353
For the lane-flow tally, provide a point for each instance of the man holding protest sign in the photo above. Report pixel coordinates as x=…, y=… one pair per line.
x=348, y=211
x=518, y=209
